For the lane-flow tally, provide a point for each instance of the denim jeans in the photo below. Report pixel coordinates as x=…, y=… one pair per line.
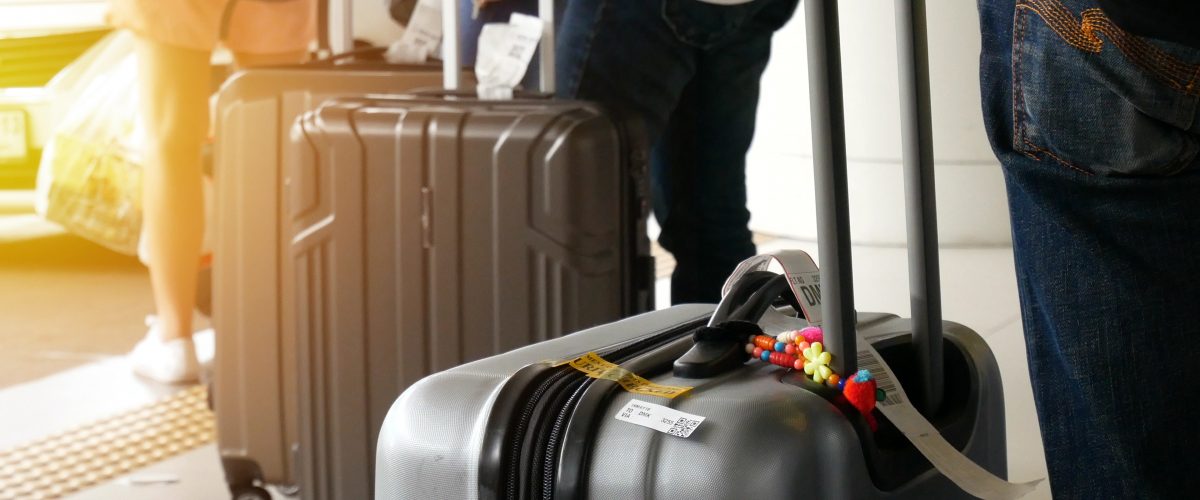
x=689, y=71
x=1097, y=132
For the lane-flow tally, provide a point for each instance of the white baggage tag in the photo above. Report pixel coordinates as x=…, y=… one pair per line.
x=421, y=36
x=802, y=275
x=949, y=461
x=660, y=418
x=505, y=51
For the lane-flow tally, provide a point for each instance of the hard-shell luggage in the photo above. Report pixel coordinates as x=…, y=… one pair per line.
x=517, y=426
x=353, y=229
x=556, y=419
x=254, y=377
x=426, y=233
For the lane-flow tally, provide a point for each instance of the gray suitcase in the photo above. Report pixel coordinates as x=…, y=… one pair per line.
x=522, y=425
x=459, y=434
x=493, y=224
x=254, y=378
x=429, y=232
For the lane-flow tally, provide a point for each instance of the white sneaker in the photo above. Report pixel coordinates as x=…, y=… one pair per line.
x=170, y=362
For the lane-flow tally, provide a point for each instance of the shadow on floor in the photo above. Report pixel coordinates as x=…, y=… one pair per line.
x=65, y=301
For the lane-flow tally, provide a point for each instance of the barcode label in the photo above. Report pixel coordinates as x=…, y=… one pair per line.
x=660, y=418
x=683, y=427
x=868, y=360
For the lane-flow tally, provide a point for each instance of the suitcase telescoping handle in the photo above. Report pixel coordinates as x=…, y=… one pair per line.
x=335, y=26
x=829, y=165
x=452, y=51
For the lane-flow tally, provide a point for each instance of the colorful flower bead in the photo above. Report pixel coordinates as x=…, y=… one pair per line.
x=816, y=362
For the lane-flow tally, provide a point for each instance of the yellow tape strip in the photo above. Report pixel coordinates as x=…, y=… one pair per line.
x=592, y=365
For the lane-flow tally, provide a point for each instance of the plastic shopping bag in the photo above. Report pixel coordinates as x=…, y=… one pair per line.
x=89, y=180
x=90, y=177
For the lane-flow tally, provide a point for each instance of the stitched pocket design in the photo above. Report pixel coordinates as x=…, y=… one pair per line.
x=1099, y=100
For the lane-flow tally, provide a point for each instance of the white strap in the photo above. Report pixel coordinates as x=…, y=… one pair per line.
x=802, y=275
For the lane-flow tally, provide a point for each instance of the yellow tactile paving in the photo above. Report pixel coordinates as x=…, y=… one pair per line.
x=99, y=451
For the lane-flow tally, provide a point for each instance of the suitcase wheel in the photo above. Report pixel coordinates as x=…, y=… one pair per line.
x=250, y=493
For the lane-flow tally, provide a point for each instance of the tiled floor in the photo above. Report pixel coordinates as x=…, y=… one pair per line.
x=979, y=291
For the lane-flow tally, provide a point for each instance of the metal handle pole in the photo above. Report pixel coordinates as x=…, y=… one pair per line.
x=829, y=166
x=912, y=50
x=451, y=51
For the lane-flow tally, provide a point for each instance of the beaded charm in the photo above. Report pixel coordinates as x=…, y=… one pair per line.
x=811, y=334
x=816, y=362
x=861, y=392
x=801, y=350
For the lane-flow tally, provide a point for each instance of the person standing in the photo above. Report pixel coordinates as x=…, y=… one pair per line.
x=1092, y=108
x=689, y=71
x=175, y=40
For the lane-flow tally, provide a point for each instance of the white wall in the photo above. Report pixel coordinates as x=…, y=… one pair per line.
x=971, y=203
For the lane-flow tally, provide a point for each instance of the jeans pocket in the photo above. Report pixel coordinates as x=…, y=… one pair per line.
x=703, y=24
x=1097, y=99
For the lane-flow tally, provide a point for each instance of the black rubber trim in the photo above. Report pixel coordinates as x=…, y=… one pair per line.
x=499, y=431
x=517, y=422
x=764, y=297
x=739, y=293
x=574, y=461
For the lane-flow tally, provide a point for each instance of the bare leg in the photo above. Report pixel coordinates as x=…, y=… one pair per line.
x=174, y=106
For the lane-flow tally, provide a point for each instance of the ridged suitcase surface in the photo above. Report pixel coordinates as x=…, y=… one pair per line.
x=254, y=381
x=428, y=232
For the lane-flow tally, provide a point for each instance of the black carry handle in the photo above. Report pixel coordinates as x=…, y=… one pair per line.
x=829, y=165
x=471, y=94
x=720, y=346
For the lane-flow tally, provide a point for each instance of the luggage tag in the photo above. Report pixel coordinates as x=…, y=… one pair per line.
x=660, y=418
x=961, y=470
x=421, y=36
x=802, y=275
x=505, y=51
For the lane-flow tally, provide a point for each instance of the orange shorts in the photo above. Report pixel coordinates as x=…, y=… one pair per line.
x=254, y=26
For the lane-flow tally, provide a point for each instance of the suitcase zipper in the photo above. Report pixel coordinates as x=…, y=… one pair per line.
x=541, y=462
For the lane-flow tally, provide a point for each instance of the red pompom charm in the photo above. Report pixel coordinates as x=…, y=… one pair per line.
x=860, y=391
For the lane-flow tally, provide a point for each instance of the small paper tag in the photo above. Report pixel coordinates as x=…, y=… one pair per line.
x=802, y=275
x=421, y=36
x=660, y=418
x=505, y=51
x=592, y=365
x=949, y=461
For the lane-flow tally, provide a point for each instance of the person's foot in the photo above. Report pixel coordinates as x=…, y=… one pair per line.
x=168, y=361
